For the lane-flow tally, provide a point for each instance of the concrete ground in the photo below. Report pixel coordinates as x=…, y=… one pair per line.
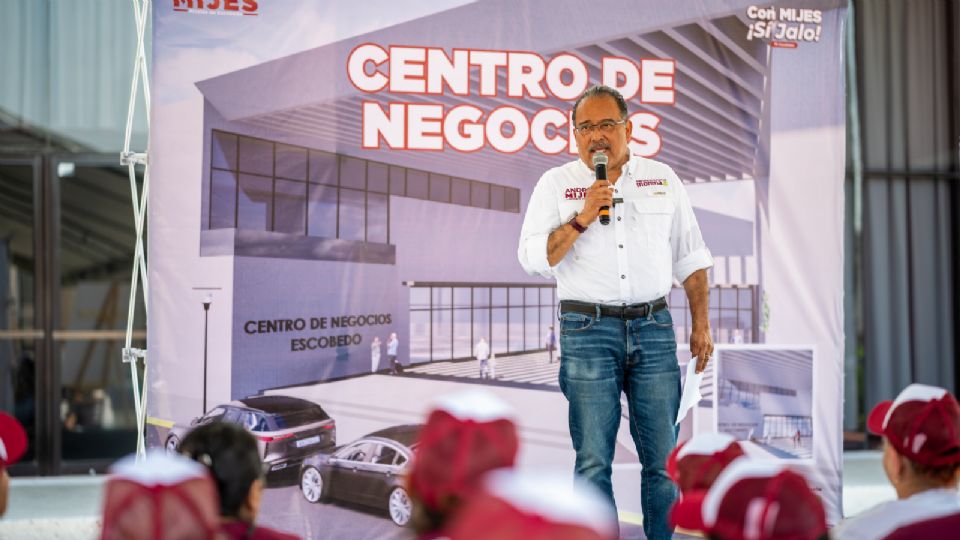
x=68, y=507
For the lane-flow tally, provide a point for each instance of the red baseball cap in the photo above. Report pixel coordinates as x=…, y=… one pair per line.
x=466, y=435
x=534, y=505
x=163, y=496
x=695, y=464
x=13, y=440
x=755, y=500
x=923, y=424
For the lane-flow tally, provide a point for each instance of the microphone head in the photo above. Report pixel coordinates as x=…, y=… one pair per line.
x=599, y=158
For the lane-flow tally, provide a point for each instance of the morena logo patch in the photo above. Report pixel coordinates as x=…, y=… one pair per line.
x=653, y=182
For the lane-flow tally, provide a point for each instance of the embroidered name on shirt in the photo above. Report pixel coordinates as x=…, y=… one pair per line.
x=575, y=194
x=653, y=182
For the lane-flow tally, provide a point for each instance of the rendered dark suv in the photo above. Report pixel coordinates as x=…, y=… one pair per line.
x=287, y=429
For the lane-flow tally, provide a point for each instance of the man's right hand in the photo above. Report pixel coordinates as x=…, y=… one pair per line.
x=561, y=240
x=599, y=194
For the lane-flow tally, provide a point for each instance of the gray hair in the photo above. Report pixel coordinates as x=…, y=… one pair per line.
x=602, y=90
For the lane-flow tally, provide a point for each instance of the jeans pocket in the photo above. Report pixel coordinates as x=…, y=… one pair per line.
x=571, y=323
x=662, y=318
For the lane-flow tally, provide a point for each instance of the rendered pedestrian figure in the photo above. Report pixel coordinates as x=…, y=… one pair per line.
x=392, y=345
x=375, y=354
x=482, y=353
x=550, y=343
x=737, y=336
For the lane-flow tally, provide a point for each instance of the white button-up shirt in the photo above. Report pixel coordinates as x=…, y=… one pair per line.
x=653, y=236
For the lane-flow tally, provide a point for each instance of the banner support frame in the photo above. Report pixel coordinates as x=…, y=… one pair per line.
x=131, y=159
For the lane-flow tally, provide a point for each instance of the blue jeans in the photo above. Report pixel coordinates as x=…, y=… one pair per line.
x=599, y=358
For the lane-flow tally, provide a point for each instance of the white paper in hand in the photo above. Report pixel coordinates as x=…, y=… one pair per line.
x=691, y=390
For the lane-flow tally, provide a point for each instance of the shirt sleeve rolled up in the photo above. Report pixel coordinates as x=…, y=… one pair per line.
x=690, y=253
x=541, y=219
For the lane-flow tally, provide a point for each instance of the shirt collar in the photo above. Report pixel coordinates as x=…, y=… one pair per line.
x=625, y=173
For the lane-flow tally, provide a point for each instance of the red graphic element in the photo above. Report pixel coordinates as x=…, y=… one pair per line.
x=209, y=7
x=648, y=83
x=409, y=69
x=784, y=44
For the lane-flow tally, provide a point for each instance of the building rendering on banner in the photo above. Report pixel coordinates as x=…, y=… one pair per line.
x=765, y=396
x=428, y=238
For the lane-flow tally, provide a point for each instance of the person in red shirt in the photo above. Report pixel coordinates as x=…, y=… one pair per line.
x=695, y=465
x=162, y=496
x=755, y=500
x=467, y=435
x=533, y=505
x=230, y=453
x=13, y=444
x=942, y=527
x=921, y=457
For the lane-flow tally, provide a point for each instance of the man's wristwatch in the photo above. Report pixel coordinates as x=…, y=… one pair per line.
x=577, y=226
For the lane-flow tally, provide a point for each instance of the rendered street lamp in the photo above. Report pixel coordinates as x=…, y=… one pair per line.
x=206, y=313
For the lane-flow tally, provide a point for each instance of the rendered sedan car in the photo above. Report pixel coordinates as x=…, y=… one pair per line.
x=287, y=429
x=370, y=471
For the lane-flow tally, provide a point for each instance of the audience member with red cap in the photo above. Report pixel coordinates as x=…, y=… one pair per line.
x=754, y=500
x=921, y=456
x=13, y=444
x=233, y=459
x=695, y=464
x=466, y=435
x=539, y=505
x=164, y=497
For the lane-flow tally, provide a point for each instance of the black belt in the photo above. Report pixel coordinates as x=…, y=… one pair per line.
x=633, y=311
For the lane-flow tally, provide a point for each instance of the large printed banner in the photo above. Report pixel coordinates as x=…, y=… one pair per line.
x=336, y=197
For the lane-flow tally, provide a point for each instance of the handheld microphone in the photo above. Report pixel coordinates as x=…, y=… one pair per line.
x=600, y=168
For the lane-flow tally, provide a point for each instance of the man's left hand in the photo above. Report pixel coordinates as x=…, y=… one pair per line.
x=701, y=346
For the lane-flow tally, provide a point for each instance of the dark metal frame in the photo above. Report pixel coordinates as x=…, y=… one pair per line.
x=951, y=174
x=41, y=307
x=489, y=286
x=953, y=90
x=47, y=275
x=753, y=306
x=339, y=185
x=53, y=200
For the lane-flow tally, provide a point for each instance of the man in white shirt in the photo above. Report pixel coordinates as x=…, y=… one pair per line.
x=615, y=331
x=921, y=456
